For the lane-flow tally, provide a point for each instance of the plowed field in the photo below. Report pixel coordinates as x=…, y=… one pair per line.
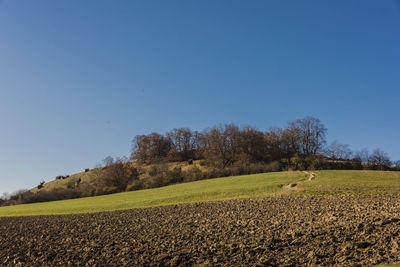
x=287, y=230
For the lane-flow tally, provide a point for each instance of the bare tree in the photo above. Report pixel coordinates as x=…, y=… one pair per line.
x=119, y=174
x=311, y=135
x=276, y=144
x=251, y=144
x=184, y=143
x=337, y=150
x=380, y=159
x=108, y=161
x=289, y=144
x=150, y=148
x=140, y=148
x=364, y=156
x=222, y=144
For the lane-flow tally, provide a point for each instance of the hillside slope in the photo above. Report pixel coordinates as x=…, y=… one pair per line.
x=88, y=178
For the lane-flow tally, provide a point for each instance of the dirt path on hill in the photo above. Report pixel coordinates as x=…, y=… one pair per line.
x=311, y=176
x=285, y=231
x=287, y=189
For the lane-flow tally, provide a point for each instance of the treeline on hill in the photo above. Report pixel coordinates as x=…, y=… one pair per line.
x=299, y=146
x=184, y=155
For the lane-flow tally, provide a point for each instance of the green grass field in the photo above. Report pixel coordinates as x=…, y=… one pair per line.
x=247, y=186
x=353, y=182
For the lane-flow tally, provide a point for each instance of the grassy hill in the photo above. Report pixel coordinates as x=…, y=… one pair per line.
x=86, y=178
x=353, y=182
x=89, y=178
x=246, y=186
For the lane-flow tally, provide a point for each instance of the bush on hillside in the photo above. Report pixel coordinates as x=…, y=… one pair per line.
x=41, y=185
x=118, y=174
x=174, y=176
x=62, y=177
x=110, y=190
x=135, y=185
x=193, y=173
x=154, y=181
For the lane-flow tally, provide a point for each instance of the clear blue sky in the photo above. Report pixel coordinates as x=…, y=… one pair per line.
x=79, y=79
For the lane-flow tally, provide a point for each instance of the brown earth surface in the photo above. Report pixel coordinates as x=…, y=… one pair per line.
x=286, y=231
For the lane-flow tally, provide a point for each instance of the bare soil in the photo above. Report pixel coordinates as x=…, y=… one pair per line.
x=285, y=231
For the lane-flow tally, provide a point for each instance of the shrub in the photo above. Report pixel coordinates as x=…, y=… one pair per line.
x=62, y=177
x=71, y=185
x=86, y=170
x=25, y=196
x=174, y=175
x=192, y=174
x=110, y=190
x=203, y=163
x=119, y=175
x=212, y=173
x=87, y=193
x=41, y=185
x=225, y=173
x=274, y=166
x=135, y=185
x=298, y=163
x=154, y=181
x=154, y=170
